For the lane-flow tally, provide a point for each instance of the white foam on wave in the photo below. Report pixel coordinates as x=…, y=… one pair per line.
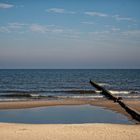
x=11, y=99
x=97, y=91
x=90, y=96
x=120, y=92
x=34, y=95
x=116, y=92
x=104, y=84
x=132, y=97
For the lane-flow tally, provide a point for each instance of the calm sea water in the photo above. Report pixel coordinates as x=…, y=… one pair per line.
x=75, y=83
x=63, y=114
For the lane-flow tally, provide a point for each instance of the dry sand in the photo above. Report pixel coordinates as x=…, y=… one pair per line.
x=69, y=132
x=11, y=131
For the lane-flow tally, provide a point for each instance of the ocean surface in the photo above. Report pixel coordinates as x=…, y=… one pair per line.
x=63, y=115
x=22, y=84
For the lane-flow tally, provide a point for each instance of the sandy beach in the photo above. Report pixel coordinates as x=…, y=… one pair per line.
x=15, y=131
x=69, y=132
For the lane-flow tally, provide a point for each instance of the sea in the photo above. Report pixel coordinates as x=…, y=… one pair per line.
x=23, y=84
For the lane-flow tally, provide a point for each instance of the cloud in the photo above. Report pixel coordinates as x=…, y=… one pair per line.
x=119, y=18
x=88, y=22
x=16, y=25
x=116, y=17
x=38, y=28
x=5, y=6
x=57, y=30
x=45, y=28
x=59, y=11
x=4, y=29
x=135, y=33
x=56, y=10
x=96, y=14
x=99, y=32
x=114, y=29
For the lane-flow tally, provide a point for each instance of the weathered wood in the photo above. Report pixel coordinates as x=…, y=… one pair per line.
x=104, y=91
x=134, y=114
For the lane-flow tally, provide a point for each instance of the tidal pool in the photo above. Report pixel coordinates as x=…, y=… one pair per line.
x=67, y=114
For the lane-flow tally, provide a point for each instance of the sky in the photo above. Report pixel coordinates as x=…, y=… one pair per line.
x=70, y=34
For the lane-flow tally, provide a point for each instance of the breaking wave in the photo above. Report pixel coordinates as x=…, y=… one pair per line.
x=104, y=84
x=66, y=93
x=120, y=92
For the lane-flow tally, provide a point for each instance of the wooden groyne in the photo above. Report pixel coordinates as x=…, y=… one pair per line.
x=134, y=114
x=104, y=92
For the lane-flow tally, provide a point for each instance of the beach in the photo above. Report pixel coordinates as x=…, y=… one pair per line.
x=88, y=131
x=69, y=132
x=30, y=96
x=69, y=70
x=135, y=104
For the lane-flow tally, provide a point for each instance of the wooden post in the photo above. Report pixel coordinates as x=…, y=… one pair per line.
x=134, y=114
x=104, y=92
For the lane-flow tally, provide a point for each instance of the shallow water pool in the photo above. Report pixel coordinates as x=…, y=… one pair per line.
x=67, y=114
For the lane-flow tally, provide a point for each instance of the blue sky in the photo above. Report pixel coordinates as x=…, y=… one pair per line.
x=69, y=34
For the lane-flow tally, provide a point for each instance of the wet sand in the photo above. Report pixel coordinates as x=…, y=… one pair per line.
x=135, y=104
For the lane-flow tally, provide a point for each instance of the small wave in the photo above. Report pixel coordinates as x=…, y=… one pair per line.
x=80, y=91
x=21, y=91
x=135, y=92
x=11, y=99
x=17, y=92
x=35, y=95
x=133, y=97
x=23, y=95
x=85, y=97
x=104, y=84
x=119, y=92
x=126, y=92
x=26, y=96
